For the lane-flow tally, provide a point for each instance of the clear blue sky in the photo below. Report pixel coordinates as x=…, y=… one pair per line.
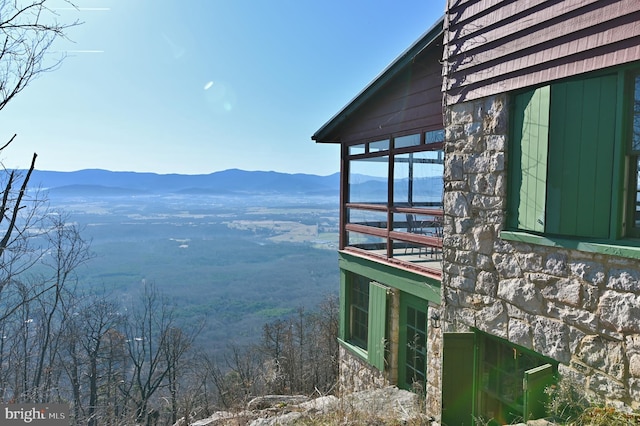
x=197, y=86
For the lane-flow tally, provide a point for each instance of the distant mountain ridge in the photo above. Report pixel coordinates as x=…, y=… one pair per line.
x=232, y=181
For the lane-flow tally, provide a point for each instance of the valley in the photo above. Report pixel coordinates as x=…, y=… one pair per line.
x=233, y=261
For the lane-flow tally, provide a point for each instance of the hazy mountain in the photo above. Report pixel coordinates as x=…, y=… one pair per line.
x=231, y=181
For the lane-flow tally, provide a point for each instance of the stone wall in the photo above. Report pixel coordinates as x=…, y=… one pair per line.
x=433, y=400
x=356, y=375
x=581, y=309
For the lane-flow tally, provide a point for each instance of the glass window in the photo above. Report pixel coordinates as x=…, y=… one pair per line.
x=406, y=141
x=416, y=353
x=379, y=146
x=376, y=219
x=357, y=149
x=367, y=242
x=359, y=311
x=418, y=179
x=435, y=136
x=412, y=351
x=417, y=185
x=368, y=180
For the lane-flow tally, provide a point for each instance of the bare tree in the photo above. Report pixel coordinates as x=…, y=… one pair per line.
x=148, y=332
x=87, y=356
x=237, y=376
x=302, y=351
x=176, y=344
x=27, y=32
x=67, y=251
x=28, y=28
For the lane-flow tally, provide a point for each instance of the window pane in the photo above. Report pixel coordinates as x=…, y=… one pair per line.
x=367, y=217
x=423, y=224
x=379, y=146
x=415, y=354
x=367, y=242
x=434, y=136
x=368, y=180
x=359, y=311
x=357, y=149
x=417, y=179
x=406, y=141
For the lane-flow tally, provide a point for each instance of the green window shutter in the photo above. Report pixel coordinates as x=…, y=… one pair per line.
x=529, y=160
x=580, y=175
x=377, y=325
x=535, y=382
x=457, y=378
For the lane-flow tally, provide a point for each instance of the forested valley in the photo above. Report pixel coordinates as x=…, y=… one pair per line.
x=138, y=309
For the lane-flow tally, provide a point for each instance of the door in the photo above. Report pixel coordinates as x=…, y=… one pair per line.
x=412, y=350
x=457, y=379
x=535, y=382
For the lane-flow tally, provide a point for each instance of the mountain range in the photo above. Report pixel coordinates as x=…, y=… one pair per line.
x=232, y=181
x=97, y=182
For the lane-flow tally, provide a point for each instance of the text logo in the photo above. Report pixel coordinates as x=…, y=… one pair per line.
x=38, y=414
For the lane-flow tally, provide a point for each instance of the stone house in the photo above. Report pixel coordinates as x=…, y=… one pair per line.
x=541, y=269
x=390, y=248
x=538, y=274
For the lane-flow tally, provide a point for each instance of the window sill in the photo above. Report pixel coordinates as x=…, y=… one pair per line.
x=623, y=248
x=355, y=350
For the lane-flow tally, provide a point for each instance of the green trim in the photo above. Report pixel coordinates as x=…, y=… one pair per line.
x=619, y=178
x=621, y=248
x=344, y=305
x=406, y=281
x=355, y=350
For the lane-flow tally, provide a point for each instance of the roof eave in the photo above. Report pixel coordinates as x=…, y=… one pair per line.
x=426, y=40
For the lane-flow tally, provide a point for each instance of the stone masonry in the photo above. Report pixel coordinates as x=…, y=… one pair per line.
x=581, y=309
x=356, y=375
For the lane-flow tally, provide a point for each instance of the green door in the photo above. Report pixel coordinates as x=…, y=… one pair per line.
x=535, y=382
x=412, y=350
x=457, y=379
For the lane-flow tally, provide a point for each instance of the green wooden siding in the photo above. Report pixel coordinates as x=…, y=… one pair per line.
x=529, y=159
x=580, y=172
x=377, y=325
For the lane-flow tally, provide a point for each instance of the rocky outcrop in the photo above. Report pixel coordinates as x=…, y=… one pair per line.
x=389, y=403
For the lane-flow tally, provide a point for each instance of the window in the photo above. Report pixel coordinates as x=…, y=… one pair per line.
x=562, y=176
x=394, y=198
x=359, y=311
x=366, y=318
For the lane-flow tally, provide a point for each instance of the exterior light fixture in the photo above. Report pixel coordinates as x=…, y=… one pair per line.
x=435, y=320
